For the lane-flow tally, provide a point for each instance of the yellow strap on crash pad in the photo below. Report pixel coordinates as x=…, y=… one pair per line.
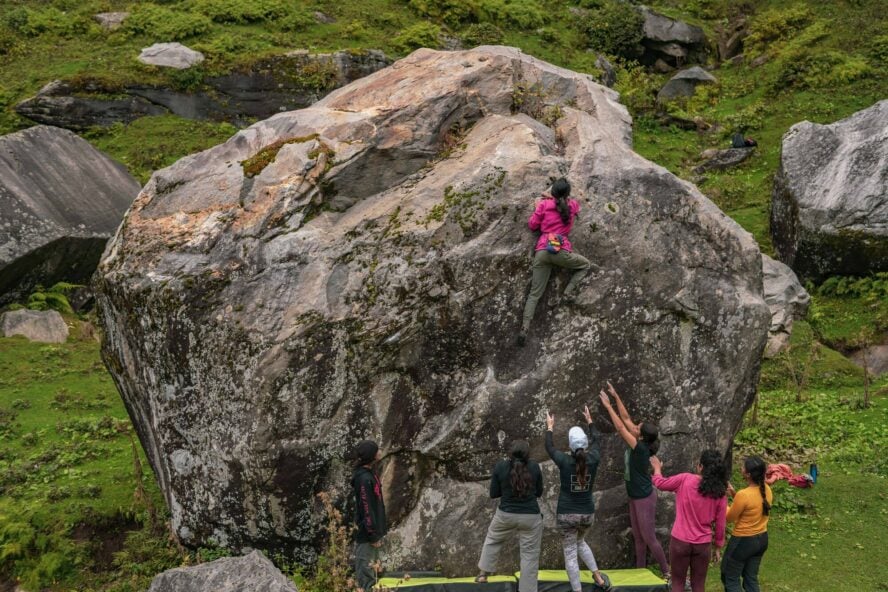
x=403, y=583
x=618, y=577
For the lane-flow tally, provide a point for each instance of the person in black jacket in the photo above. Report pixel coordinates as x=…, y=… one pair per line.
x=369, y=513
x=517, y=482
x=575, y=504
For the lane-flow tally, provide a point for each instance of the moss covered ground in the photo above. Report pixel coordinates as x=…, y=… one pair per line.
x=74, y=513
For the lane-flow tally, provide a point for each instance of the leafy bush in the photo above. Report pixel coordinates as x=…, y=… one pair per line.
x=525, y=14
x=878, y=50
x=871, y=288
x=33, y=23
x=296, y=20
x=451, y=12
x=162, y=24
x=802, y=69
x=419, y=35
x=482, y=34
x=750, y=117
x=637, y=87
x=774, y=25
x=53, y=299
x=241, y=11
x=614, y=29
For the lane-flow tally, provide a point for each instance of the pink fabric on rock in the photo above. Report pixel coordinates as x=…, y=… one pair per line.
x=694, y=513
x=546, y=219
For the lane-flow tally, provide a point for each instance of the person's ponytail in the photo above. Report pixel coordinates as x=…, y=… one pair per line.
x=519, y=475
x=756, y=468
x=582, y=471
x=561, y=192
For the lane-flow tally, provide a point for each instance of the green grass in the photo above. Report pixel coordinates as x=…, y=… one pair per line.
x=66, y=465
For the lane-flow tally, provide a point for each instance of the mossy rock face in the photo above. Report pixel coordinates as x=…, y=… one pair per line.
x=829, y=211
x=367, y=282
x=254, y=89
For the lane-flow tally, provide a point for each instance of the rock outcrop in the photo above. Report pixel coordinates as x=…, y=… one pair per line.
x=46, y=326
x=250, y=573
x=829, y=209
x=722, y=160
x=786, y=298
x=60, y=201
x=267, y=87
x=357, y=269
x=685, y=83
x=673, y=42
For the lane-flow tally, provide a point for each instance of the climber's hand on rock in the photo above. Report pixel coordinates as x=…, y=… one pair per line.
x=587, y=414
x=550, y=421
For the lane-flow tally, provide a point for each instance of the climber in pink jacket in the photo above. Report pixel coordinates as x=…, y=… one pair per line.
x=554, y=218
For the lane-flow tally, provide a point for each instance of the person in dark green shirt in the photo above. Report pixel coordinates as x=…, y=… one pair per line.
x=517, y=482
x=643, y=440
x=575, y=503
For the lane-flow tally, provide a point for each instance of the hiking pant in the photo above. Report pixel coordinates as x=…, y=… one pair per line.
x=684, y=555
x=573, y=529
x=529, y=528
x=365, y=556
x=543, y=262
x=642, y=516
x=742, y=557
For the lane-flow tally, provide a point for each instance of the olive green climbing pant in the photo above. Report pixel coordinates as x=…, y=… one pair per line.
x=543, y=262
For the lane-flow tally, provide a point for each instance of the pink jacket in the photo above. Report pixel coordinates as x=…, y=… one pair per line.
x=694, y=513
x=546, y=219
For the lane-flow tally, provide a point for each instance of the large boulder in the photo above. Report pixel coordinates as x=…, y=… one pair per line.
x=722, y=160
x=256, y=91
x=671, y=41
x=357, y=269
x=685, y=83
x=170, y=55
x=250, y=573
x=786, y=299
x=46, y=326
x=829, y=208
x=60, y=201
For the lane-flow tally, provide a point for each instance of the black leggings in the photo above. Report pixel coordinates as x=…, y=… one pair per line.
x=742, y=558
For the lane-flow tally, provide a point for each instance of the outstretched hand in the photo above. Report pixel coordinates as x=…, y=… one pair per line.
x=587, y=415
x=605, y=400
x=612, y=390
x=657, y=464
x=731, y=491
x=550, y=421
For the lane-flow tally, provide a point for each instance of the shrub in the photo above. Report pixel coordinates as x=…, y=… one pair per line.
x=482, y=34
x=451, y=12
x=615, y=29
x=53, y=299
x=241, y=11
x=525, y=14
x=33, y=23
x=637, y=87
x=419, y=35
x=803, y=69
x=296, y=20
x=162, y=24
x=774, y=25
x=746, y=119
x=878, y=50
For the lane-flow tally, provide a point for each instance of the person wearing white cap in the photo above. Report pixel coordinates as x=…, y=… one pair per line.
x=575, y=502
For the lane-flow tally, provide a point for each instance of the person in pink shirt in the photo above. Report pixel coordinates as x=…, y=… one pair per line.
x=700, y=506
x=554, y=218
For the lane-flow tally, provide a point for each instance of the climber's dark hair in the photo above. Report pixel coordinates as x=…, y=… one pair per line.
x=714, y=482
x=561, y=191
x=650, y=435
x=582, y=471
x=519, y=475
x=756, y=468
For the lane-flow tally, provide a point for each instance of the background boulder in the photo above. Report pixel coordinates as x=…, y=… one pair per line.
x=829, y=208
x=685, y=83
x=46, y=326
x=786, y=298
x=671, y=41
x=357, y=269
x=60, y=200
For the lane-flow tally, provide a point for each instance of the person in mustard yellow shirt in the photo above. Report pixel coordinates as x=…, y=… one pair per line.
x=749, y=513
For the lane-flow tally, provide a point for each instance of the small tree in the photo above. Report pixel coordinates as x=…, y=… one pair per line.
x=864, y=341
x=800, y=369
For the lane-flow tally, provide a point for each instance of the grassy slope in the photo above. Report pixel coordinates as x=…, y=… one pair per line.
x=86, y=473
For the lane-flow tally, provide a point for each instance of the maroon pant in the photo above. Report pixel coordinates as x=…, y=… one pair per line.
x=683, y=555
x=642, y=516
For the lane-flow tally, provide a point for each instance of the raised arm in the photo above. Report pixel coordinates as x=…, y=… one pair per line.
x=550, y=444
x=592, y=433
x=621, y=409
x=621, y=428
